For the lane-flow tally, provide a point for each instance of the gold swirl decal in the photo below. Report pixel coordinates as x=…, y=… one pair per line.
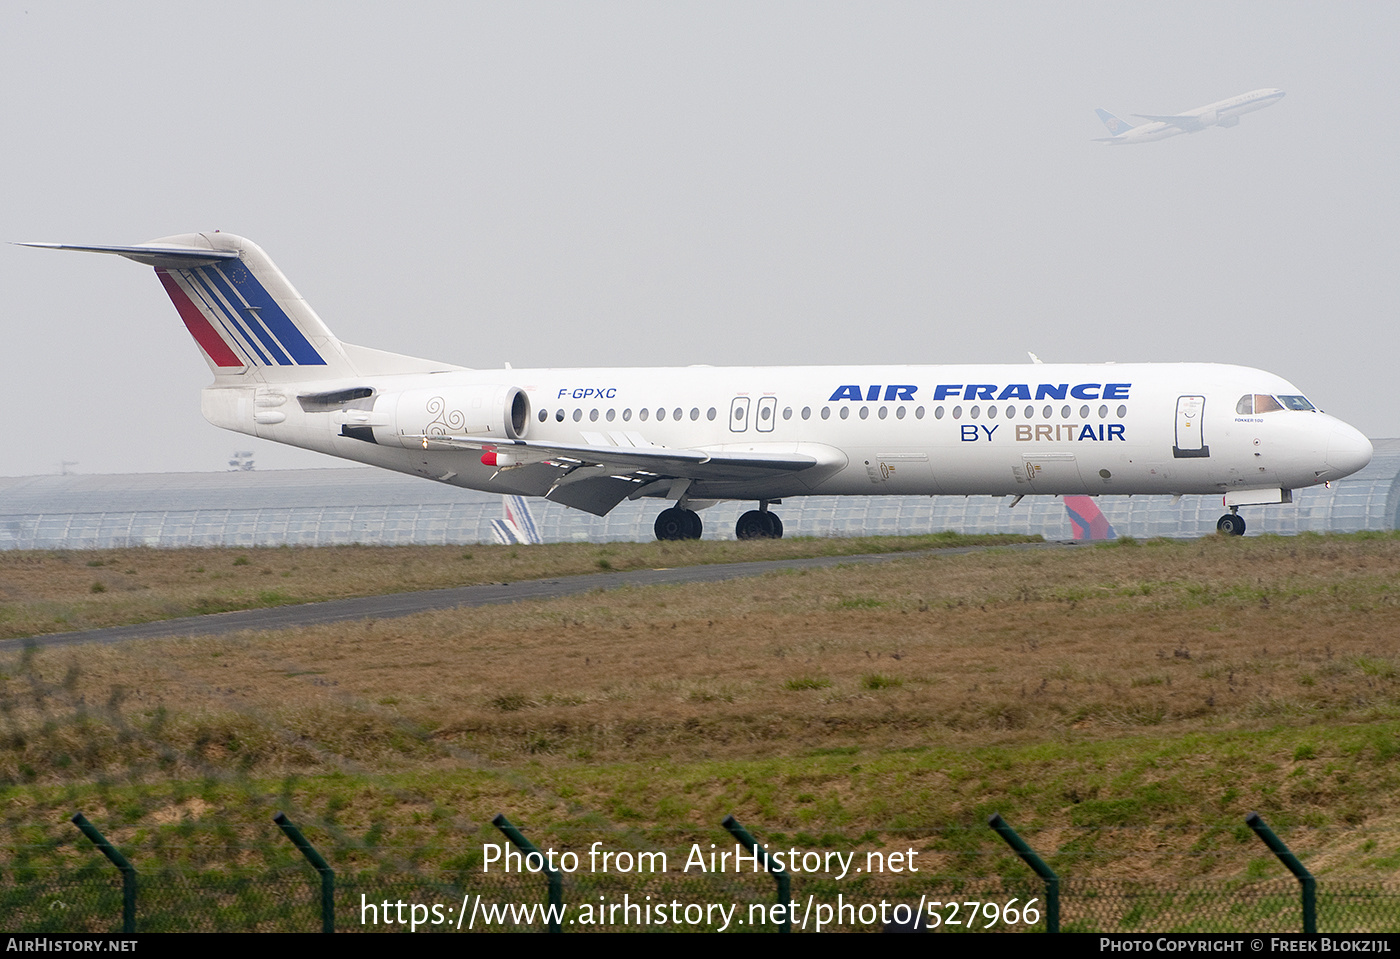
x=443, y=422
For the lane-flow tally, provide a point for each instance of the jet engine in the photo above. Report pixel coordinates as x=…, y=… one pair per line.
x=489, y=411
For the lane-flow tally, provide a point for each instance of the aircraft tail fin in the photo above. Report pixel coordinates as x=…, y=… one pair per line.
x=517, y=525
x=244, y=314
x=1115, y=125
x=1086, y=520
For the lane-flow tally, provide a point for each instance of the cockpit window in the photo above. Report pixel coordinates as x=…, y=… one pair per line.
x=1264, y=403
x=1296, y=403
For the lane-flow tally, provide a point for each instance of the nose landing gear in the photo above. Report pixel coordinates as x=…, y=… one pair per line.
x=1231, y=524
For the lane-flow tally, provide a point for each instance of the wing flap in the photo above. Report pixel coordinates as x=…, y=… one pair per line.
x=695, y=464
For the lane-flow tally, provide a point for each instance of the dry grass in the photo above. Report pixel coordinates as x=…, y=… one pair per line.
x=47, y=592
x=1123, y=703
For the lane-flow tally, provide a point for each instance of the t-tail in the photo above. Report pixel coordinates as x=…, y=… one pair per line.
x=247, y=319
x=1115, y=125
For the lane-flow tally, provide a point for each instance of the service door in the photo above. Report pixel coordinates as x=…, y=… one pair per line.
x=739, y=414
x=1190, y=434
x=767, y=413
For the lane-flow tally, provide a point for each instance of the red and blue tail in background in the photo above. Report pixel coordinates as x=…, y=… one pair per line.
x=1087, y=520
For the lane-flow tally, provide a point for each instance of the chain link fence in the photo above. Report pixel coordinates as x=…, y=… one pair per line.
x=90, y=900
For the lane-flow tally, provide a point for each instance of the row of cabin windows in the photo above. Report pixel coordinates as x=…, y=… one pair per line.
x=883, y=412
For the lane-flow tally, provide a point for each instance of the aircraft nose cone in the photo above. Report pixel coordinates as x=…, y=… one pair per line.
x=1347, y=449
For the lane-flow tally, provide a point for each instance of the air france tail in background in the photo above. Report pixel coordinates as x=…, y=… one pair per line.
x=1224, y=113
x=517, y=525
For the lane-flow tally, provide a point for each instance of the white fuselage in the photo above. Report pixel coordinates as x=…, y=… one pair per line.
x=1024, y=429
x=1221, y=113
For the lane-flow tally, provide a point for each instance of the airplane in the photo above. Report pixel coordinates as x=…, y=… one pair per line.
x=1086, y=520
x=693, y=436
x=1224, y=113
x=516, y=527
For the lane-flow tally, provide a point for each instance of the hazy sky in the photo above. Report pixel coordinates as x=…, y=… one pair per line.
x=584, y=184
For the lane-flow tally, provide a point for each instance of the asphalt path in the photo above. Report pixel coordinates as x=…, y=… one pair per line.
x=394, y=605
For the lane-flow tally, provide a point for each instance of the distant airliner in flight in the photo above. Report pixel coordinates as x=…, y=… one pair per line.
x=692, y=436
x=1223, y=113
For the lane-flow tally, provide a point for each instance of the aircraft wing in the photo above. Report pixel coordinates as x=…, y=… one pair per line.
x=1184, y=120
x=597, y=478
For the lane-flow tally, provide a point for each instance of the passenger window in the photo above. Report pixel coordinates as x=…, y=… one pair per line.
x=544, y=415
x=710, y=413
x=626, y=414
x=695, y=413
x=899, y=412
x=612, y=415
x=845, y=412
x=643, y=413
x=864, y=412
x=826, y=412
x=919, y=412
x=806, y=412
x=578, y=415
x=884, y=412
x=559, y=416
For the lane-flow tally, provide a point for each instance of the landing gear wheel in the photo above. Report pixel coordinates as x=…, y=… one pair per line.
x=676, y=524
x=1231, y=524
x=758, y=524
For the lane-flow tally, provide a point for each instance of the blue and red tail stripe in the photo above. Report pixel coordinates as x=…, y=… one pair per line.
x=204, y=334
x=225, y=302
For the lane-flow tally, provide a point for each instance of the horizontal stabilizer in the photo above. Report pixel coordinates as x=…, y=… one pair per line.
x=152, y=254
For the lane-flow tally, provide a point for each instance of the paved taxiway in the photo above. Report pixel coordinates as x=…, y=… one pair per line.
x=486, y=594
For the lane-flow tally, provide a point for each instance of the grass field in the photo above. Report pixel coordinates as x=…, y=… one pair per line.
x=1124, y=706
x=52, y=592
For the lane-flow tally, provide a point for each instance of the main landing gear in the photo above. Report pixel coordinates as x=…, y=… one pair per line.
x=678, y=523
x=1231, y=524
x=759, y=524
